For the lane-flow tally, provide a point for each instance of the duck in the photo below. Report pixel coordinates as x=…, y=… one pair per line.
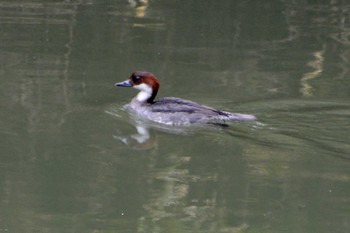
x=172, y=110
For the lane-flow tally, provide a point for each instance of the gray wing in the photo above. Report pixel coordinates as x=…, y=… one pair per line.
x=176, y=105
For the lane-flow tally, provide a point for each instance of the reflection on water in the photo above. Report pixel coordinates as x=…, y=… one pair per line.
x=140, y=7
x=317, y=64
x=64, y=163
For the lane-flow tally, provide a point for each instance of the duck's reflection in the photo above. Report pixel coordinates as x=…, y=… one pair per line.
x=142, y=140
x=147, y=132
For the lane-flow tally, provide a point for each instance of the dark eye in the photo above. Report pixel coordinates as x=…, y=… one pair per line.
x=136, y=78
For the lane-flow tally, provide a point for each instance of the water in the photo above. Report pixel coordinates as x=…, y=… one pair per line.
x=72, y=160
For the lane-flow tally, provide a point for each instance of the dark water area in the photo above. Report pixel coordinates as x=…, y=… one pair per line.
x=72, y=160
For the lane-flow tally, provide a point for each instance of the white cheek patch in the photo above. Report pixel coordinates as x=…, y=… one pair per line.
x=143, y=87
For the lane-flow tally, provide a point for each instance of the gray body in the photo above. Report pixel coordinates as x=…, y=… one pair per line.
x=176, y=111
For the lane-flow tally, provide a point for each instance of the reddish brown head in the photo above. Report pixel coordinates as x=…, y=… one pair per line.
x=144, y=81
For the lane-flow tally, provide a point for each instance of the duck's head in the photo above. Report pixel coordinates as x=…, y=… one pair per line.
x=144, y=81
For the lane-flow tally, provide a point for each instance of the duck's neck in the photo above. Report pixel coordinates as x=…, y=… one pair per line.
x=146, y=95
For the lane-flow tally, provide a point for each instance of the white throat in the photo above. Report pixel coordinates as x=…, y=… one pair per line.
x=145, y=92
